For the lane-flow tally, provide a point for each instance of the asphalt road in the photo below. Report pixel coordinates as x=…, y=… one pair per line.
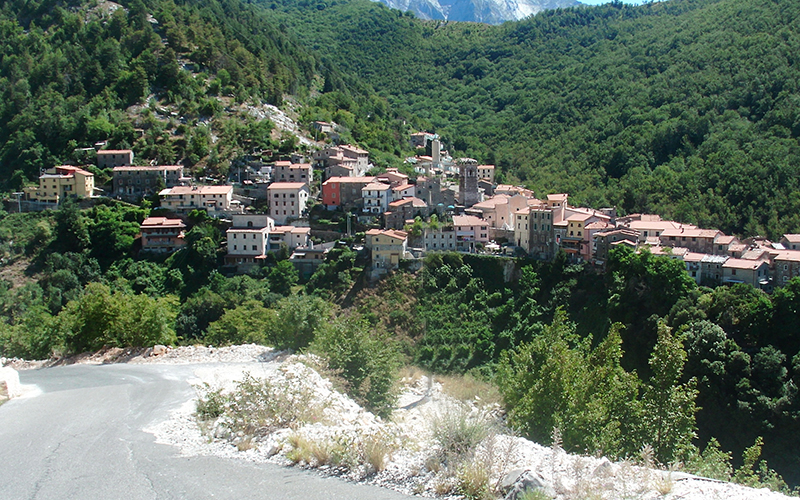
x=82, y=438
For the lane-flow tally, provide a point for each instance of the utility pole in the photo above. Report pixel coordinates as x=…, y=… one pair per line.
x=19, y=201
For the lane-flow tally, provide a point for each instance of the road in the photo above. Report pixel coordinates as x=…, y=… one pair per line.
x=82, y=438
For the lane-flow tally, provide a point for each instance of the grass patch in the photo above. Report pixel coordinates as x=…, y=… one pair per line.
x=469, y=388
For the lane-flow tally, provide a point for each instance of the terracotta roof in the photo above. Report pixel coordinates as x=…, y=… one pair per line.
x=500, y=199
x=737, y=247
x=788, y=255
x=292, y=229
x=283, y=163
x=598, y=225
x=491, y=167
x=693, y=257
x=669, y=251
x=580, y=216
x=415, y=202
x=162, y=222
x=376, y=186
x=792, y=238
x=393, y=233
x=354, y=149
x=287, y=185
x=743, y=263
x=114, y=151
x=656, y=225
x=177, y=190
x=691, y=233
x=148, y=168
x=468, y=220
x=366, y=180
x=402, y=187
x=723, y=239
x=557, y=197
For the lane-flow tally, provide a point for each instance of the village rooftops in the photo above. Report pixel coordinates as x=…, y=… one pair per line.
x=376, y=186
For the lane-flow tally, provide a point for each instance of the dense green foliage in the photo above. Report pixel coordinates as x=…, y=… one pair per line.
x=365, y=359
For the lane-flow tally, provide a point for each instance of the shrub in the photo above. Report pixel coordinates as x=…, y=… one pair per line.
x=458, y=431
x=367, y=362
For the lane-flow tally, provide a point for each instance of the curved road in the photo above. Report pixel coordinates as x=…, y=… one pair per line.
x=82, y=438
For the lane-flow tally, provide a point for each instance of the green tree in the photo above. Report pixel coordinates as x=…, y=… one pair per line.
x=282, y=277
x=248, y=323
x=669, y=408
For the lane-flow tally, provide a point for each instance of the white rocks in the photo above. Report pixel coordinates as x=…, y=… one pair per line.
x=9, y=383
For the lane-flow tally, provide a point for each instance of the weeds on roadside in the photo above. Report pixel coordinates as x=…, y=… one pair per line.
x=346, y=450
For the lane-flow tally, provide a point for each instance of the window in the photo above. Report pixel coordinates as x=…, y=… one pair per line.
x=255, y=247
x=234, y=247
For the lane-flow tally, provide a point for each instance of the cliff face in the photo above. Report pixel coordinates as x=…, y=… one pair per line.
x=481, y=11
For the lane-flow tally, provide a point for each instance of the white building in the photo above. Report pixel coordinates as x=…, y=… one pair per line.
x=376, y=196
x=183, y=199
x=287, y=200
x=252, y=237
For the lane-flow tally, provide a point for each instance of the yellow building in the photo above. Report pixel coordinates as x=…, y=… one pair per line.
x=386, y=247
x=61, y=182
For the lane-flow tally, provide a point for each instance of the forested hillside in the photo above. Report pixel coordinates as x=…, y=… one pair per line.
x=688, y=108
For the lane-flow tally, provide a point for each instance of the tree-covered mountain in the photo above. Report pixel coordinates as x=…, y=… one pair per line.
x=686, y=108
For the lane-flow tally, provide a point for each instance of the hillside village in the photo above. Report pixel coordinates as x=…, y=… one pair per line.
x=451, y=205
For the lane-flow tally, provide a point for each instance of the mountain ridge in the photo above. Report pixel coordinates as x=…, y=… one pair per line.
x=481, y=11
